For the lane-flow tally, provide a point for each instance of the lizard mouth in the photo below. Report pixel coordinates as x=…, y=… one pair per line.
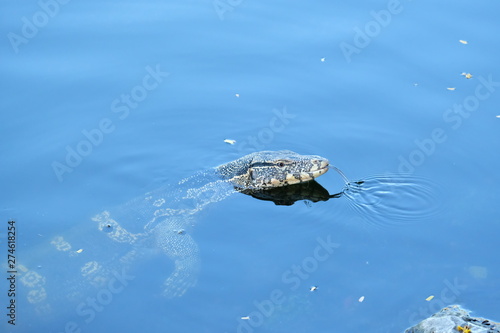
x=319, y=168
x=321, y=171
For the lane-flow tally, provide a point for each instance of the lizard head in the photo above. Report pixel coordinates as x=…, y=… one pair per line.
x=270, y=169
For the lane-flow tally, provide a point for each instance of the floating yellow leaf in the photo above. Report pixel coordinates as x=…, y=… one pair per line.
x=245, y=318
x=465, y=329
x=463, y=41
x=429, y=298
x=467, y=75
x=451, y=89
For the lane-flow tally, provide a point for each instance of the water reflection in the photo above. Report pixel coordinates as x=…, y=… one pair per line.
x=288, y=195
x=385, y=199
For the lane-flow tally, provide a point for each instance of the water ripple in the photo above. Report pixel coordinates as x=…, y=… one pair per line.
x=393, y=198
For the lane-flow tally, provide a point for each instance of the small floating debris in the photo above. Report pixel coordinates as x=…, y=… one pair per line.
x=463, y=41
x=107, y=228
x=181, y=232
x=451, y=89
x=361, y=299
x=245, y=318
x=467, y=75
x=465, y=329
x=498, y=116
x=231, y=142
x=79, y=251
x=313, y=288
x=237, y=95
x=323, y=59
x=429, y=298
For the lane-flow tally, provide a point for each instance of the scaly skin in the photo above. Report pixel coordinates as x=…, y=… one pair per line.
x=88, y=258
x=269, y=169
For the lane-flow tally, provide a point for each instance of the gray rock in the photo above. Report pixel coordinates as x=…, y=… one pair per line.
x=452, y=319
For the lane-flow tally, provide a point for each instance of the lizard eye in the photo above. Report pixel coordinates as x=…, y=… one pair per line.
x=281, y=164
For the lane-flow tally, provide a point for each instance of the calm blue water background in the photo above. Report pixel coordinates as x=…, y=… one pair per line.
x=369, y=95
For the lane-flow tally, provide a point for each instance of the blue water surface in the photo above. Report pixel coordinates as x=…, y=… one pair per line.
x=105, y=101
